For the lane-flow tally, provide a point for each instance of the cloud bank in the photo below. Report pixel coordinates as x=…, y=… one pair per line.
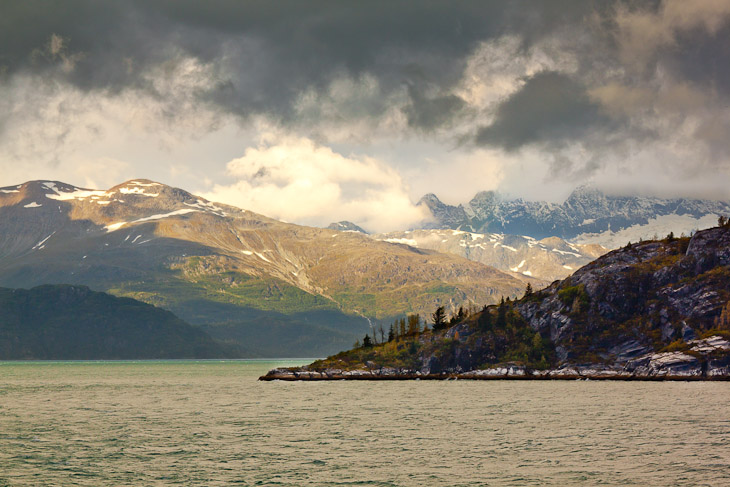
x=530, y=98
x=295, y=180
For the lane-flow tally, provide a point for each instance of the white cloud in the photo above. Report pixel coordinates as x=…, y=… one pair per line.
x=296, y=180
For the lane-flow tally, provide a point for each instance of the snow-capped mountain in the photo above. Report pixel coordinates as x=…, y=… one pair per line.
x=276, y=288
x=587, y=216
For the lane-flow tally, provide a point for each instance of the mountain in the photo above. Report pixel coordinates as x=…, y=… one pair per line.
x=65, y=322
x=587, y=216
x=546, y=260
x=657, y=309
x=284, y=289
x=345, y=226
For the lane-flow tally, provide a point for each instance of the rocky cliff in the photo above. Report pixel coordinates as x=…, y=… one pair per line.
x=652, y=310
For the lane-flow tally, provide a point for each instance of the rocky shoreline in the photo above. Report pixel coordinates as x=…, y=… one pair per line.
x=707, y=360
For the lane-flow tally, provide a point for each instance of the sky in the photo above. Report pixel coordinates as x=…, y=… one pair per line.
x=320, y=111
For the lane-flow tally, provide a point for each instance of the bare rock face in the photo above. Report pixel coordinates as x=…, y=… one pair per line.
x=637, y=299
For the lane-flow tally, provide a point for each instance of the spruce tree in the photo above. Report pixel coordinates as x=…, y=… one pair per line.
x=439, y=318
x=528, y=290
x=414, y=324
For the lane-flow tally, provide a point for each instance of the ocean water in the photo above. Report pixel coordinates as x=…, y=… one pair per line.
x=212, y=423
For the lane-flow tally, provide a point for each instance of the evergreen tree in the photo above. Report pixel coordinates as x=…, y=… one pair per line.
x=502, y=313
x=528, y=290
x=485, y=320
x=414, y=324
x=402, y=327
x=367, y=342
x=391, y=334
x=439, y=319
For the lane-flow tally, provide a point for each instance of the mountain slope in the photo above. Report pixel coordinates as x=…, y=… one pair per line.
x=587, y=216
x=652, y=310
x=74, y=323
x=546, y=260
x=215, y=264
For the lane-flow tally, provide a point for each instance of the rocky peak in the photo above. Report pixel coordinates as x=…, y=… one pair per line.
x=483, y=205
x=586, y=201
x=430, y=200
x=346, y=226
x=446, y=216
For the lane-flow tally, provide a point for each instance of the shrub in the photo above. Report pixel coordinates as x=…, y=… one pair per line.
x=571, y=294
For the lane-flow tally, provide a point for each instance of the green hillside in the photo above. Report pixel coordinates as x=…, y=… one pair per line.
x=66, y=322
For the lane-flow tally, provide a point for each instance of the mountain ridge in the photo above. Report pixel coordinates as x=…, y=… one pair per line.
x=66, y=322
x=586, y=213
x=168, y=247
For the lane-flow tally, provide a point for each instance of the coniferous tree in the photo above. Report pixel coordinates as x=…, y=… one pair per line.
x=439, y=318
x=367, y=342
x=528, y=290
x=485, y=320
x=502, y=313
x=391, y=334
x=414, y=324
x=402, y=327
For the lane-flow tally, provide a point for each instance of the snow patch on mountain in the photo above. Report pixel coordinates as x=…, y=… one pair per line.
x=76, y=194
x=659, y=226
x=404, y=241
x=116, y=226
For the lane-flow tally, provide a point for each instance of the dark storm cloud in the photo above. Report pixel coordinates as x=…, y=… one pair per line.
x=264, y=53
x=429, y=113
x=549, y=108
x=702, y=58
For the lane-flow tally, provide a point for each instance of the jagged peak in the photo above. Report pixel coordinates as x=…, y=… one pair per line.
x=482, y=197
x=429, y=199
x=586, y=190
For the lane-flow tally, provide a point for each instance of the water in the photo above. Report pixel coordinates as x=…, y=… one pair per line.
x=212, y=423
